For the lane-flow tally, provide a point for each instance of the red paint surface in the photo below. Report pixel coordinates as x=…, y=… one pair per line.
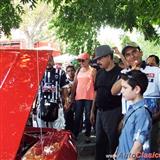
x=61, y=145
x=20, y=73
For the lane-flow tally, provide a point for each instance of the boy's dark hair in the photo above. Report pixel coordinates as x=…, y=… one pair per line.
x=70, y=66
x=155, y=57
x=136, y=77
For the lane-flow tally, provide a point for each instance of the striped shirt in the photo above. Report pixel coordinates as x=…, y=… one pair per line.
x=52, y=82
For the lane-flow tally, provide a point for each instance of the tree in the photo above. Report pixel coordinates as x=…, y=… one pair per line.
x=35, y=23
x=77, y=22
x=9, y=16
x=147, y=47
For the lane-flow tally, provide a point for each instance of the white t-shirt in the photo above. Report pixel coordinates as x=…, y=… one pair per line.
x=153, y=89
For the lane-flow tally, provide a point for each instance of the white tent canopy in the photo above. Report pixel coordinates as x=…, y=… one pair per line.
x=64, y=58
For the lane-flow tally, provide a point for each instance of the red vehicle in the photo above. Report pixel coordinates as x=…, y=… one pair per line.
x=20, y=74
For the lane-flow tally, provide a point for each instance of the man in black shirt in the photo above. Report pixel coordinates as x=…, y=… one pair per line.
x=108, y=106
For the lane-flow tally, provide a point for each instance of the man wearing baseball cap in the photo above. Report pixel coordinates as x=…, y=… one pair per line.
x=133, y=55
x=130, y=45
x=108, y=106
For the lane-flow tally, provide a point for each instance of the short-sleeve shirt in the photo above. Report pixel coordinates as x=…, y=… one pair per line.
x=54, y=79
x=103, y=84
x=136, y=127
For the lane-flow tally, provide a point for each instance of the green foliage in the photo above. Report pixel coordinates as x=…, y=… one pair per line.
x=35, y=22
x=77, y=22
x=125, y=39
x=75, y=63
x=31, y=2
x=147, y=47
x=72, y=26
x=9, y=16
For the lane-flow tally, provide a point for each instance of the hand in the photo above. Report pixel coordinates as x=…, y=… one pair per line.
x=114, y=156
x=92, y=118
x=116, y=51
x=67, y=105
x=72, y=101
x=136, y=65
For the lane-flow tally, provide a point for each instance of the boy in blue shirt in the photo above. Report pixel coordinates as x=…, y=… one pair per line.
x=134, y=139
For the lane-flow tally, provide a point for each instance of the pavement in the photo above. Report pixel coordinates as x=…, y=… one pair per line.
x=86, y=151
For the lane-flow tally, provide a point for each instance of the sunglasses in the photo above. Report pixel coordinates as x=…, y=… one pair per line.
x=81, y=60
x=128, y=76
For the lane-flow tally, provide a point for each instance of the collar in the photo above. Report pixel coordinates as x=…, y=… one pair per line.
x=136, y=105
x=132, y=108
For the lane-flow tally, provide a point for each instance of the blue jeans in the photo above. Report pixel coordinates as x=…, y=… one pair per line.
x=80, y=106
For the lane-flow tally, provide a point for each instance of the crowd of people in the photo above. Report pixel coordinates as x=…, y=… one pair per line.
x=120, y=100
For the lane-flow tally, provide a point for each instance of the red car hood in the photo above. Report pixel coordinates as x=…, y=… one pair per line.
x=20, y=73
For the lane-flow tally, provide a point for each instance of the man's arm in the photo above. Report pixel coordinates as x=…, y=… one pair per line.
x=94, y=72
x=93, y=109
x=73, y=89
x=156, y=117
x=116, y=88
x=66, y=98
x=120, y=55
x=135, y=151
